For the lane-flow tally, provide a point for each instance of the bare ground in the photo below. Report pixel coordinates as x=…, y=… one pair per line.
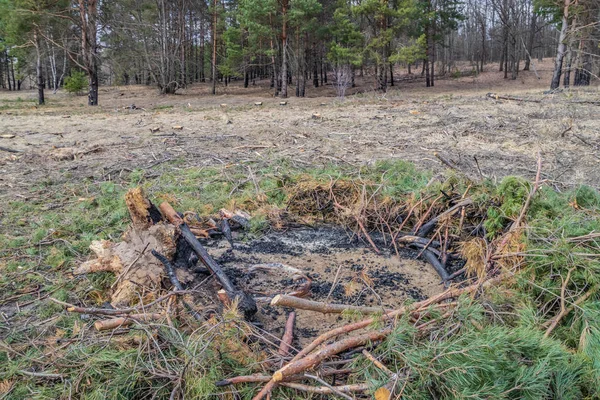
x=65, y=140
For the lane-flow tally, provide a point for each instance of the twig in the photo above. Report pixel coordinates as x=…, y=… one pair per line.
x=426, y=228
x=534, y=189
x=457, y=273
x=125, y=321
x=448, y=294
x=304, y=304
x=553, y=323
x=327, y=385
x=317, y=357
x=361, y=387
x=379, y=365
x=114, y=312
x=41, y=374
x=364, y=231
x=258, y=378
x=10, y=150
x=173, y=278
x=288, y=335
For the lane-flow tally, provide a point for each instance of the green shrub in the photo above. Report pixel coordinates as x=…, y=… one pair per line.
x=76, y=83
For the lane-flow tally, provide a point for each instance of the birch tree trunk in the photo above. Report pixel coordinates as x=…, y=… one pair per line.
x=560, y=55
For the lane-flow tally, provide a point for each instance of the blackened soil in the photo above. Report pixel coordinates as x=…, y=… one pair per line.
x=342, y=268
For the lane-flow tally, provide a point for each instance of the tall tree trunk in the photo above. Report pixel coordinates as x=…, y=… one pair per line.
x=530, y=41
x=2, y=84
x=560, y=55
x=284, y=69
x=88, y=10
x=202, y=52
x=39, y=69
x=12, y=71
x=315, y=73
x=214, y=50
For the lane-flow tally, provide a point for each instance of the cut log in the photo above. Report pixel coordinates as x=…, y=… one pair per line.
x=246, y=303
x=325, y=308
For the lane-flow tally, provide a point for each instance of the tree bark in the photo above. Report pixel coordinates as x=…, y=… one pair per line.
x=214, y=50
x=560, y=55
x=284, y=69
x=88, y=10
x=39, y=71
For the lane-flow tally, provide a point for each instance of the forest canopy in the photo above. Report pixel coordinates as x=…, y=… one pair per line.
x=290, y=45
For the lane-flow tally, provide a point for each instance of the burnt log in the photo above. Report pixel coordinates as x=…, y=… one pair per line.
x=246, y=303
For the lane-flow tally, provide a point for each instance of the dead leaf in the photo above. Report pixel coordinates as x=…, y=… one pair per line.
x=6, y=386
x=382, y=393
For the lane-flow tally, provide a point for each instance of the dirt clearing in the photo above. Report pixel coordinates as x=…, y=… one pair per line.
x=67, y=141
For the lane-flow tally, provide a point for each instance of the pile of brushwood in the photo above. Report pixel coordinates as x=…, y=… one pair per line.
x=520, y=316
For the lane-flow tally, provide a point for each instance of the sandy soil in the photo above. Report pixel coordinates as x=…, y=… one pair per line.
x=65, y=140
x=343, y=270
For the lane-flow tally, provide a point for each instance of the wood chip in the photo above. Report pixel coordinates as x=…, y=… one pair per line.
x=178, y=127
x=7, y=136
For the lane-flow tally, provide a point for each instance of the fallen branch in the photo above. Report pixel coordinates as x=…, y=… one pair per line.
x=553, y=323
x=448, y=294
x=361, y=387
x=379, y=365
x=512, y=98
x=328, y=386
x=428, y=227
x=288, y=335
x=259, y=378
x=436, y=264
x=325, y=308
x=114, y=312
x=534, y=189
x=126, y=321
x=246, y=303
x=305, y=359
x=41, y=374
x=314, y=359
x=173, y=278
x=10, y=150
